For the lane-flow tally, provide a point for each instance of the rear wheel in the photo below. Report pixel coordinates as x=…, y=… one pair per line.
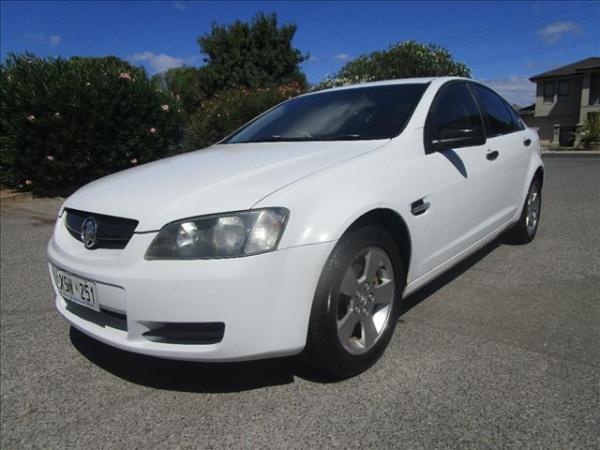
x=356, y=304
x=525, y=229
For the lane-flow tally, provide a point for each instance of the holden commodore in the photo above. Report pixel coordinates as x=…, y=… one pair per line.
x=302, y=231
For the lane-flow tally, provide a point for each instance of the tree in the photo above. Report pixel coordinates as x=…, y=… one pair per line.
x=251, y=55
x=402, y=60
x=590, y=135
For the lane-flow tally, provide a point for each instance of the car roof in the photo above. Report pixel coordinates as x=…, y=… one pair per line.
x=400, y=81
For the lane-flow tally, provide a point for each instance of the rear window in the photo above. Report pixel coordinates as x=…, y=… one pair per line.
x=377, y=112
x=498, y=119
x=516, y=120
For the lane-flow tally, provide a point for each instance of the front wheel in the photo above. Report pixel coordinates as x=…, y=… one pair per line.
x=356, y=304
x=526, y=228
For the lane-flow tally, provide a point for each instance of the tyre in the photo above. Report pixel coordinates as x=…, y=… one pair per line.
x=356, y=304
x=526, y=228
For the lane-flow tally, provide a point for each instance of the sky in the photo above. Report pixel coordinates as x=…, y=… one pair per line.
x=503, y=43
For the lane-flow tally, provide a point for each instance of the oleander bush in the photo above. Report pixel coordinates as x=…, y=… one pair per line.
x=188, y=84
x=230, y=109
x=65, y=122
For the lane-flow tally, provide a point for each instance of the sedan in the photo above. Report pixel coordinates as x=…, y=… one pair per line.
x=301, y=232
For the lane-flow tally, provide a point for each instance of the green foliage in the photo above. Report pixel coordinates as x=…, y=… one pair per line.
x=590, y=135
x=251, y=55
x=66, y=122
x=227, y=111
x=186, y=83
x=402, y=60
x=337, y=81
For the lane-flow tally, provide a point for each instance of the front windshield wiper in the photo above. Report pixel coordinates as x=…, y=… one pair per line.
x=343, y=137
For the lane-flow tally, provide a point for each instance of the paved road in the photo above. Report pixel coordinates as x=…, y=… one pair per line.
x=502, y=352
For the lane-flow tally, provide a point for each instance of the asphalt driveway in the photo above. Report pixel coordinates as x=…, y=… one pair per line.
x=504, y=351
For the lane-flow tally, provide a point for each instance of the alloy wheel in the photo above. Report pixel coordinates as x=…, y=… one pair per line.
x=365, y=300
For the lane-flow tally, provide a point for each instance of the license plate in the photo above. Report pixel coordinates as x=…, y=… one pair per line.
x=77, y=289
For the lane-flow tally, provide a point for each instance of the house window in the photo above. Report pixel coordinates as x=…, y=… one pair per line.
x=548, y=92
x=594, y=89
x=563, y=90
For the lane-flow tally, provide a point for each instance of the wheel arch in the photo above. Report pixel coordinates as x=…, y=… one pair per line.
x=397, y=227
x=539, y=174
x=532, y=174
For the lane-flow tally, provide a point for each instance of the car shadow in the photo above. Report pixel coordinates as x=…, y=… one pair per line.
x=432, y=287
x=187, y=376
x=198, y=377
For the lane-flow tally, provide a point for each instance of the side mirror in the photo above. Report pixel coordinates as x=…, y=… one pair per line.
x=458, y=137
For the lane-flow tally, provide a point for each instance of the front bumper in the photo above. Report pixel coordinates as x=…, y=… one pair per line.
x=263, y=300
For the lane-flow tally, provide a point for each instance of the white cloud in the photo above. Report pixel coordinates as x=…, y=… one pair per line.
x=516, y=90
x=193, y=60
x=158, y=63
x=342, y=56
x=180, y=5
x=555, y=31
x=53, y=40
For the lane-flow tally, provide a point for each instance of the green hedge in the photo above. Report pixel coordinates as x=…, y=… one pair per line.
x=228, y=110
x=64, y=122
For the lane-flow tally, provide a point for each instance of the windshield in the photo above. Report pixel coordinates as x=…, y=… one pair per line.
x=377, y=112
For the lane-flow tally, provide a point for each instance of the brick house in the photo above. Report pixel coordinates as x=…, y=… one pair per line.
x=564, y=98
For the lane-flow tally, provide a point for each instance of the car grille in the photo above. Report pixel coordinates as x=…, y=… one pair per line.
x=112, y=232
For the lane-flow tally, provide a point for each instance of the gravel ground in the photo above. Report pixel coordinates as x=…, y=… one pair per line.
x=502, y=352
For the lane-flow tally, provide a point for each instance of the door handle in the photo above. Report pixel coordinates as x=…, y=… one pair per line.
x=527, y=142
x=419, y=207
x=492, y=155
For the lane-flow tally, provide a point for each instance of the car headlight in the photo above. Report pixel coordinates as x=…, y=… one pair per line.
x=226, y=235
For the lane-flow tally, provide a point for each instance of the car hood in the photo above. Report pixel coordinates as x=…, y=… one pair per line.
x=221, y=178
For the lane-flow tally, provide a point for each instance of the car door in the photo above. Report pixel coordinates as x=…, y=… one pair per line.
x=507, y=143
x=460, y=193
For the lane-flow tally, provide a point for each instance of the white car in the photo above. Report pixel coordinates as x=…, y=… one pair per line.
x=303, y=230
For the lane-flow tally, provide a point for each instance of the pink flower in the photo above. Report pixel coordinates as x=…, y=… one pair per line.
x=134, y=161
x=31, y=117
x=50, y=157
x=125, y=76
x=152, y=130
x=28, y=182
x=164, y=107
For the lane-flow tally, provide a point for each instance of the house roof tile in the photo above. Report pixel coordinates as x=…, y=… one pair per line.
x=570, y=69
